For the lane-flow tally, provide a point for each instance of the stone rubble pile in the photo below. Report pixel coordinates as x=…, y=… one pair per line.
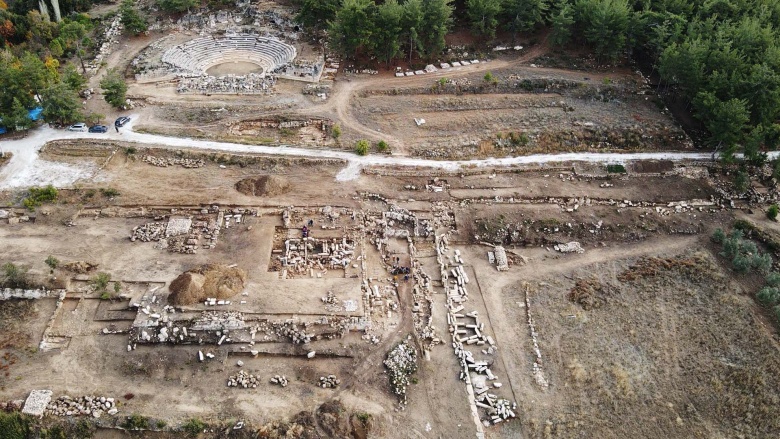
x=401, y=363
x=149, y=232
x=37, y=402
x=329, y=382
x=571, y=247
x=498, y=409
x=291, y=331
x=110, y=38
x=502, y=264
x=538, y=373
x=252, y=83
x=311, y=255
x=280, y=380
x=422, y=310
x=164, y=162
x=332, y=304
x=243, y=379
x=18, y=293
x=330, y=299
x=467, y=330
x=93, y=406
x=219, y=321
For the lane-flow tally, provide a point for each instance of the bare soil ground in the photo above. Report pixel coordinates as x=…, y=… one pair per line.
x=669, y=349
x=647, y=333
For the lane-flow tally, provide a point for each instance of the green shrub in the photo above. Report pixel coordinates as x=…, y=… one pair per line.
x=194, y=427
x=773, y=279
x=109, y=192
x=772, y=212
x=718, y=236
x=136, y=422
x=39, y=195
x=490, y=78
x=52, y=262
x=130, y=150
x=361, y=147
x=100, y=282
x=14, y=426
x=741, y=181
x=769, y=296
x=382, y=146
x=616, y=169
x=762, y=263
x=335, y=131
x=14, y=276
x=364, y=418
x=741, y=263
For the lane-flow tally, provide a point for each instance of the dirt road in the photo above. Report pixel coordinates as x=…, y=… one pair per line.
x=25, y=168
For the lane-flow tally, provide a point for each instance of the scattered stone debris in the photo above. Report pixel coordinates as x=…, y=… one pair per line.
x=467, y=330
x=572, y=247
x=329, y=382
x=502, y=264
x=243, y=379
x=36, y=403
x=164, y=162
x=93, y=406
x=148, y=232
x=310, y=255
x=537, y=366
x=401, y=363
x=280, y=380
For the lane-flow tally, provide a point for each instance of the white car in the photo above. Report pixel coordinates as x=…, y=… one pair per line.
x=78, y=127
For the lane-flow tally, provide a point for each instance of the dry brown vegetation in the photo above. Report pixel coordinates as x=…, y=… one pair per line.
x=675, y=352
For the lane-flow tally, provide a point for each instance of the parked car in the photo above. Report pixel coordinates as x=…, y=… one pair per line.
x=78, y=127
x=98, y=129
x=120, y=122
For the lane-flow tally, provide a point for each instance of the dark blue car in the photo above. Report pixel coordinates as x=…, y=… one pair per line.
x=98, y=129
x=120, y=122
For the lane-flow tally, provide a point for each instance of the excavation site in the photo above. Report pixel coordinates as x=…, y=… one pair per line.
x=264, y=219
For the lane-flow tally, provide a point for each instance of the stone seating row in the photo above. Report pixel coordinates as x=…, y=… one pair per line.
x=195, y=56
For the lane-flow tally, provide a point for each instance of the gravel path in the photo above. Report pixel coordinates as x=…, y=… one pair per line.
x=27, y=169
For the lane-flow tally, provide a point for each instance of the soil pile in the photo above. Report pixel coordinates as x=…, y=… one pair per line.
x=215, y=281
x=266, y=185
x=79, y=266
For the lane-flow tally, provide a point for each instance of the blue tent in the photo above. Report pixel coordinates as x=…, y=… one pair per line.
x=33, y=114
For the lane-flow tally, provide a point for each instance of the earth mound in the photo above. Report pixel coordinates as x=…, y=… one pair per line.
x=266, y=185
x=215, y=281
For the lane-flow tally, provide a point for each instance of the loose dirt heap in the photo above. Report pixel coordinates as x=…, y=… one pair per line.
x=329, y=420
x=216, y=281
x=589, y=294
x=267, y=185
x=79, y=266
x=649, y=267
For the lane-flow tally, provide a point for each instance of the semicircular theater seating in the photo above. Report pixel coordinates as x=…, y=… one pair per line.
x=198, y=55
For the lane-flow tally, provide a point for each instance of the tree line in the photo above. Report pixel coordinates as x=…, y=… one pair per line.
x=718, y=59
x=35, y=46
